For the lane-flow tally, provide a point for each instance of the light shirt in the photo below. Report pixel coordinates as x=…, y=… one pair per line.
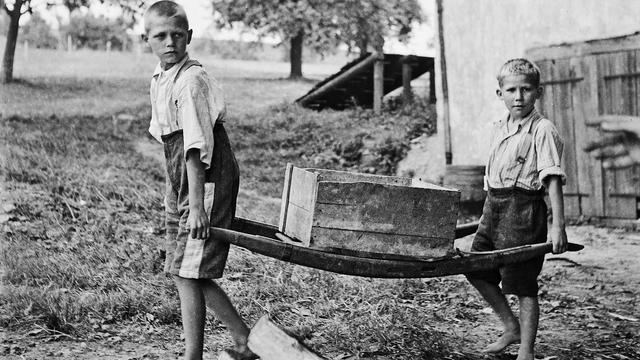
x=192, y=102
x=542, y=159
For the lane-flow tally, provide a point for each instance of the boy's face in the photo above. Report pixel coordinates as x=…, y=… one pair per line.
x=519, y=95
x=168, y=39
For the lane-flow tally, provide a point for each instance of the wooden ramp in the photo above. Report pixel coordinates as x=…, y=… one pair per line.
x=353, y=84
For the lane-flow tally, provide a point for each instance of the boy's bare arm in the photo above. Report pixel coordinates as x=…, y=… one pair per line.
x=557, y=232
x=198, y=221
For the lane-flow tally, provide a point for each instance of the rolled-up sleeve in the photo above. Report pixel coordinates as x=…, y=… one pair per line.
x=198, y=117
x=549, y=147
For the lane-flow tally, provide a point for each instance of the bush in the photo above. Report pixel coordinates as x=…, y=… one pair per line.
x=38, y=33
x=95, y=32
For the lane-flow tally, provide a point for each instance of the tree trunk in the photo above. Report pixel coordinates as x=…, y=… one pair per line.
x=363, y=44
x=295, y=55
x=10, y=48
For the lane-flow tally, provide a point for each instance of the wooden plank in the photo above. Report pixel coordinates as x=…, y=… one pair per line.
x=270, y=342
x=583, y=181
x=303, y=188
x=563, y=119
x=380, y=221
x=618, y=182
x=376, y=208
x=591, y=47
x=298, y=224
x=329, y=238
x=590, y=169
x=344, y=176
x=286, y=191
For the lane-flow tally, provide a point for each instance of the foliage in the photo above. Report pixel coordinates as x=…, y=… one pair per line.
x=354, y=140
x=284, y=19
x=365, y=23
x=94, y=32
x=38, y=33
x=323, y=24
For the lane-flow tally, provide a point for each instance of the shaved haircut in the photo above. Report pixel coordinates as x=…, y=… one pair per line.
x=168, y=9
x=519, y=67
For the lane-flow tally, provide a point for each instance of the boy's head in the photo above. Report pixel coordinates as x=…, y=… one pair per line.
x=167, y=32
x=519, y=87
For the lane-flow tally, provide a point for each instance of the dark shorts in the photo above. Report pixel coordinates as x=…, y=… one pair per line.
x=512, y=217
x=195, y=258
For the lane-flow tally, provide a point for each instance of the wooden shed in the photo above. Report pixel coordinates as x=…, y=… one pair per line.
x=581, y=81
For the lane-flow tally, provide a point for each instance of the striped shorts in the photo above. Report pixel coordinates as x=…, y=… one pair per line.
x=196, y=258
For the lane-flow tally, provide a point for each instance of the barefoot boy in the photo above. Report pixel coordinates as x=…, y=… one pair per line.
x=202, y=176
x=524, y=160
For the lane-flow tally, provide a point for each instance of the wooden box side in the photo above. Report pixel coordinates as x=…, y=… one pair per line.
x=345, y=177
x=298, y=203
x=423, y=212
x=326, y=238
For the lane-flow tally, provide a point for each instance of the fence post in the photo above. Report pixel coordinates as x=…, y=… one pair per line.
x=407, y=93
x=378, y=82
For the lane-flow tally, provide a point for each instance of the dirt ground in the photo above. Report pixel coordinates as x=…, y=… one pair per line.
x=590, y=309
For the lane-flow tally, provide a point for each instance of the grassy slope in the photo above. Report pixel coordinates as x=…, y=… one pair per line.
x=79, y=251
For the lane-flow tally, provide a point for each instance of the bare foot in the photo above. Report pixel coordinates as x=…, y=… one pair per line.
x=528, y=356
x=503, y=341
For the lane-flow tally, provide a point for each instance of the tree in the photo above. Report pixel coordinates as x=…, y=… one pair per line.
x=299, y=22
x=16, y=8
x=322, y=24
x=94, y=32
x=364, y=24
x=38, y=33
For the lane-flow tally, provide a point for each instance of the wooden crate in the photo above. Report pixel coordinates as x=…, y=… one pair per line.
x=385, y=214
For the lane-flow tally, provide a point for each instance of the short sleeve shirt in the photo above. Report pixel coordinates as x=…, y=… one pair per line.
x=192, y=102
x=542, y=160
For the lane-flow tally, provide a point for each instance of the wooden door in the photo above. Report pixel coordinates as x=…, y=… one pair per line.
x=577, y=89
x=567, y=88
x=619, y=93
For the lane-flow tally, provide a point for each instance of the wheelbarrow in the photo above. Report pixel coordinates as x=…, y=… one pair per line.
x=265, y=240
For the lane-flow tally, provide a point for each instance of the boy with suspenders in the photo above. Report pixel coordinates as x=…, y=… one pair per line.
x=187, y=108
x=524, y=160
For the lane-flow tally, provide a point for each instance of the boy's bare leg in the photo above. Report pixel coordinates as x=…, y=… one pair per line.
x=498, y=302
x=218, y=301
x=192, y=307
x=529, y=315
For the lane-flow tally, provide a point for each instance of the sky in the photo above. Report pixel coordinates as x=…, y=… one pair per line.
x=200, y=18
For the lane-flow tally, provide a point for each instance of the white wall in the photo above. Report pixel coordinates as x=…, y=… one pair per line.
x=480, y=35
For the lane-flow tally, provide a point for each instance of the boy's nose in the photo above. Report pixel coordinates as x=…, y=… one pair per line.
x=519, y=94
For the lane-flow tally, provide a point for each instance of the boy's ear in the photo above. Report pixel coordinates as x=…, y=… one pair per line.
x=190, y=33
x=499, y=93
x=539, y=92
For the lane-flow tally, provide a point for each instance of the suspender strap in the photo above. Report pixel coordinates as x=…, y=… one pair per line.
x=187, y=64
x=525, y=145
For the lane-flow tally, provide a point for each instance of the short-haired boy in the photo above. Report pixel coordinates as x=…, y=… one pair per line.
x=202, y=176
x=524, y=160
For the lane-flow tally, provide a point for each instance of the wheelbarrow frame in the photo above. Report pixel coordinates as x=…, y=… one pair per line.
x=263, y=239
